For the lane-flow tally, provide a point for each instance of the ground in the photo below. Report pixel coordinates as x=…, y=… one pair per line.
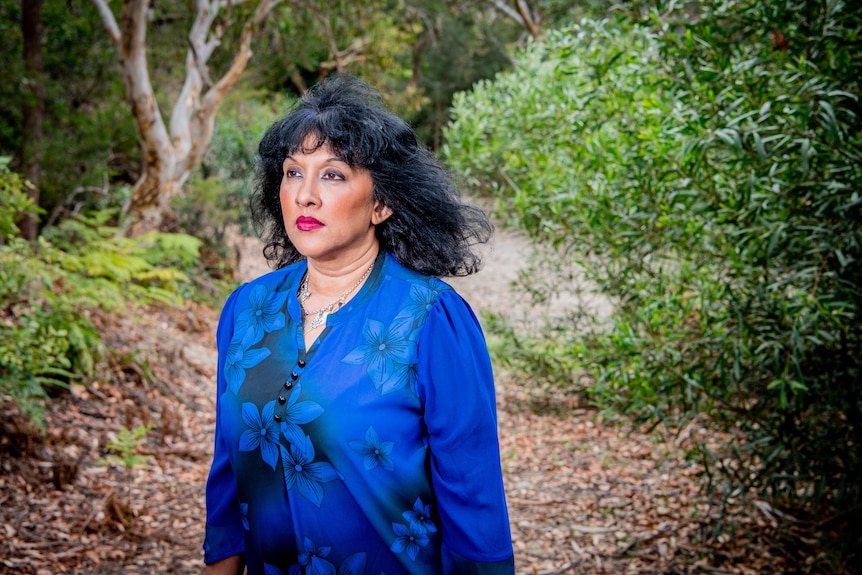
x=585, y=495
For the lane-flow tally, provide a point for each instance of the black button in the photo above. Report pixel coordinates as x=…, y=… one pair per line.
x=300, y=363
x=277, y=418
x=294, y=376
x=288, y=384
x=281, y=400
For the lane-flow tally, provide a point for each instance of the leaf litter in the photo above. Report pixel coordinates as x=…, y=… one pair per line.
x=585, y=495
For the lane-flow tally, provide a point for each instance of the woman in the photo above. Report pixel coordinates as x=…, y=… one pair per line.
x=356, y=423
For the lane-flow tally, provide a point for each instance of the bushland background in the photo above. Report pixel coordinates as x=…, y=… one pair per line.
x=672, y=298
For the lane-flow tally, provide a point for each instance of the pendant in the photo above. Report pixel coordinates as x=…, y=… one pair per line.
x=319, y=319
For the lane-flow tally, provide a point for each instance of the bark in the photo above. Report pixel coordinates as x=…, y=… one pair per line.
x=424, y=40
x=33, y=108
x=520, y=14
x=171, y=152
x=530, y=22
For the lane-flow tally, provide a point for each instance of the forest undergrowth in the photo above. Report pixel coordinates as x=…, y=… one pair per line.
x=585, y=495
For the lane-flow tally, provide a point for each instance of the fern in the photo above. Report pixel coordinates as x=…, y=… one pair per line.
x=48, y=287
x=125, y=454
x=161, y=277
x=180, y=250
x=15, y=202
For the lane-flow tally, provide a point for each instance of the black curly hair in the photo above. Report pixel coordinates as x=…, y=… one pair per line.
x=430, y=230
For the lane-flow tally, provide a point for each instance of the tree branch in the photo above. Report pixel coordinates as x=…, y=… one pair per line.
x=198, y=35
x=109, y=21
x=354, y=53
x=170, y=155
x=200, y=65
x=530, y=23
x=522, y=15
x=336, y=61
x=243, y=54
x=194, y=112
x=136, y=77
x=509, y=11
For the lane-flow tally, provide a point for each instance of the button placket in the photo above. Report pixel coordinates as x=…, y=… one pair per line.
x=287, y=386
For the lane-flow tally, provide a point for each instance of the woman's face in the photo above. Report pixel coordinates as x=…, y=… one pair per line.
x=328, y=208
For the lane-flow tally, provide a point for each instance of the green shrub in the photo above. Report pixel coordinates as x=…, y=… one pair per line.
x=708, y=182
x=111, y=269
x=49, y=288
x=45, y=341
x=15, y=204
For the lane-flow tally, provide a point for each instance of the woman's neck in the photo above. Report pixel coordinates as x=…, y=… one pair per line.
x=331, y=279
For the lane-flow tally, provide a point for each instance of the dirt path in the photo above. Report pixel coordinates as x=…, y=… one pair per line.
x=584, y=496
x=491, y=289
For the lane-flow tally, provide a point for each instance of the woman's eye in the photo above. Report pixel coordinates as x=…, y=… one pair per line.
x=289, y=173
x=332, y=175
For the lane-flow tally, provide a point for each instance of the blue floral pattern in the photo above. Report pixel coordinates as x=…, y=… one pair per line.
x=302, y=472
x=243, y=510
x=263, y=313
x=421, y=299
x=273, y=570
x=320, y=452
x=387, y=352
x=406, y=375
x=298, y=413
x=376, y=452
x=240, y=357
x=313, y=559
x=410, y=538
x=420, y=515
x=354, y=564
x=261, y=432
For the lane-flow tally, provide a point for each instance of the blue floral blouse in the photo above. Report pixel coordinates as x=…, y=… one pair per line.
x=373, y=452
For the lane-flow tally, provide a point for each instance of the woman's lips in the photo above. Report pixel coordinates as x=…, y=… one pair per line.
x=305, y=223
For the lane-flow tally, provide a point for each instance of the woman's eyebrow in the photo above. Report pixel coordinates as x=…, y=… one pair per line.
x=332, y=159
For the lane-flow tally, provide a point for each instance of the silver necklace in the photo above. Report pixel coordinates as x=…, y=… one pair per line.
x=320, y=314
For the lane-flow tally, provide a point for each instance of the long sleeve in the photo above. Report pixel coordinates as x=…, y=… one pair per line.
x=456, y=384
x=224, y=532
x=373, y=451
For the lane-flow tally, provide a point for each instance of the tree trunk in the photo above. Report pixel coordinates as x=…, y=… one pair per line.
x=170, y=155
x=151, y=193
x=33, y=108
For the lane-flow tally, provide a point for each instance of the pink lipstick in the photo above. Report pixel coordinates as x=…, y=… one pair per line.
x=306, y=223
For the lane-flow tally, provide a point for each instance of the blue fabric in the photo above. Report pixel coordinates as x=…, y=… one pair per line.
x=375, y=451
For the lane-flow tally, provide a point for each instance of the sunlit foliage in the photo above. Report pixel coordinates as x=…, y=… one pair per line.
x=705, y=173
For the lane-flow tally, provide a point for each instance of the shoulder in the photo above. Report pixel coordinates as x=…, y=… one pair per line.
x=429, y=292
x=273, y=284
x=407, y=278
x=423, y=295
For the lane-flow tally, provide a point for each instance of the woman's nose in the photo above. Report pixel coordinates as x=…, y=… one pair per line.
x=306, y=194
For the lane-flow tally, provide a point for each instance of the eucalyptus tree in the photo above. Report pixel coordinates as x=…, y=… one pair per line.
x=170, y=151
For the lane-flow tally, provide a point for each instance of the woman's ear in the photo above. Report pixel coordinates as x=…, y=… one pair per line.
x=381, y=213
